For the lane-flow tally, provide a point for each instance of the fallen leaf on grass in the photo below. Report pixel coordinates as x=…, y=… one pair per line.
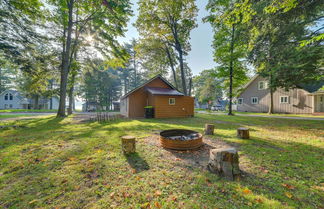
x=157, y=204
x=264, y=170
x=288, y=186
x=112, y=194
x=72, y=158
x=258, y=200
x=158, y=193
x=288, y=195
x=321, y=188
x=125, y=194
x=247, y=191
x=145, y=205
x=172, y=198
x=33, y=201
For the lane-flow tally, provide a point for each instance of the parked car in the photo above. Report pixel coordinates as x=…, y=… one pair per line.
x=217, y=108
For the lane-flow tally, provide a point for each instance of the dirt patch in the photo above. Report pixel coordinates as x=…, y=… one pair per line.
x=198, y=158
x=86, y=117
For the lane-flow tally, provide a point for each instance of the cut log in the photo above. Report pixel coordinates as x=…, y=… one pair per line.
x=128, y=144
x=209, y=129
x=243, y=133
x=225, y=163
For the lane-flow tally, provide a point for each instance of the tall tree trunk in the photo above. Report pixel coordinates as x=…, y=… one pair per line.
x=172, y=66
x=190, y=86
x=182, y=70
x=178, y=48
x=51, y=98
x=71, y=97
x=66, y=63
x=1, y=88
x=36, y=98
x=231, y=72
x=135, y=70
x=270, y=111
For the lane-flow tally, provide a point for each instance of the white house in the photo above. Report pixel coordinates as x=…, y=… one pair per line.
x=11, y=99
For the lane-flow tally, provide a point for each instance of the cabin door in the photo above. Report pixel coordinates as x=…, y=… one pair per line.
x=320, y=103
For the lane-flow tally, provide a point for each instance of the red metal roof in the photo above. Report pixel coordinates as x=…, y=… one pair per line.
x=163, y=91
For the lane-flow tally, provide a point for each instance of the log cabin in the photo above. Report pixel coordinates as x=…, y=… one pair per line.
x=166, y=100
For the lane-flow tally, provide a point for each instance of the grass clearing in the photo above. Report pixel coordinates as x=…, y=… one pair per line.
x=4, y=116
x=281, y=114
x=24, y=110
x=55, y=163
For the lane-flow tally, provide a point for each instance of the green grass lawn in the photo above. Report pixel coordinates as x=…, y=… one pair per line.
x=281, y=114
x=55, y=163
x=25, y=110
x=264, y=114
x=4, y=116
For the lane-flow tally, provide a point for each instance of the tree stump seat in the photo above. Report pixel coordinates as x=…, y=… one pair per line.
x=209, y=129
x=225, y=163
x=128, y=144
x=243, y=133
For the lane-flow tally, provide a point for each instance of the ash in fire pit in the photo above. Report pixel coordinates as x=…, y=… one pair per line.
x=180, y=139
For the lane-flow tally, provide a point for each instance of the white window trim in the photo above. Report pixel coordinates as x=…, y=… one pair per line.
x=238, y=99
x=257, y=100
x=172, y=99
x=284, y=102
x=265, y=85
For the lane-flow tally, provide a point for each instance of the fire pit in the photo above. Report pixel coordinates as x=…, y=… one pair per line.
x=180, y=139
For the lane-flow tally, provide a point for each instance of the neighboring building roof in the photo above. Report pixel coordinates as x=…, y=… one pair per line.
x=251, y=80
x=312, y=87
x=14, y=93
x=155, y=77
x=163, y=91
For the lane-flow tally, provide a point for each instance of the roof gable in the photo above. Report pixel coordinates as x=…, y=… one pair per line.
x=15, y=93
x=310, y=87
x=147, y=82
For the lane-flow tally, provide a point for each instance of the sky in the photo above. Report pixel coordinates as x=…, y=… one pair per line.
x=200, y=57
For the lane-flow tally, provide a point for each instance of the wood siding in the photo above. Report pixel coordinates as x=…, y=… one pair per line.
x=139, y=98
x=298, y=100
x=183, y=107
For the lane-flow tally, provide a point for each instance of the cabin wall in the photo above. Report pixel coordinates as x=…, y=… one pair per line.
x=184, y=106
x=140, y=98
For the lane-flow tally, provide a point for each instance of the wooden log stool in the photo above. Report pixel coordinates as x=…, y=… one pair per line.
x=225, y=163
x=128, y=144
x=243, y=133
x=209, y=129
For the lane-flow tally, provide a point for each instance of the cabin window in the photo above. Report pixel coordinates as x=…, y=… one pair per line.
x=254, y=100
x=284, y=99
x=240, y=101
x=262, y=85
x=8, y=96
x=171, y=101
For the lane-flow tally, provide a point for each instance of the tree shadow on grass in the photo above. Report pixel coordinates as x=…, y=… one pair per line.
x=137, y=162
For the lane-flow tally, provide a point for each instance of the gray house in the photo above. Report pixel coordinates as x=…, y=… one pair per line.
x=256, y=98
x=11, y=99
